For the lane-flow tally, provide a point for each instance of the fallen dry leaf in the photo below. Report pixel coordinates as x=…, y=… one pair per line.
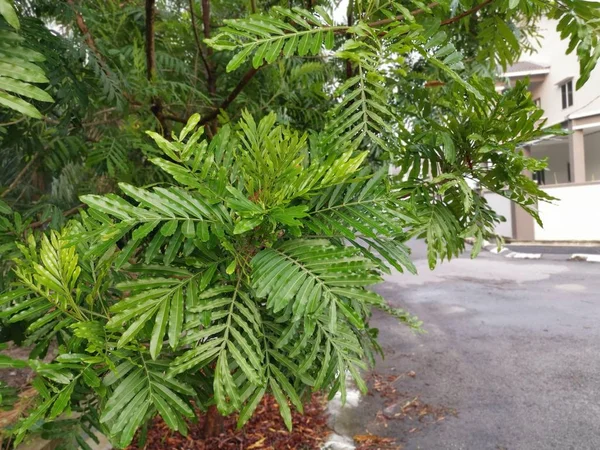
x=264, y=431
x=257, y=444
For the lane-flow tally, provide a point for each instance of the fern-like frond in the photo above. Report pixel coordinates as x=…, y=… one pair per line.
x=180, y=213
x=18, y=69
x=320, y=289
x=158, y=300
x=370, y=215
x=139, y=388
x=283, y=31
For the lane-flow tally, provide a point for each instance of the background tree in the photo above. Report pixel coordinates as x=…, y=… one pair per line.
x=262, y=219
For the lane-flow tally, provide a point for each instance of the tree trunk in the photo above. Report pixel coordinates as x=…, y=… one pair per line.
x=214, y=422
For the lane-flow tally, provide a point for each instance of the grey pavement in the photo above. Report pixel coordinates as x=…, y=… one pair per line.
x=511, y=345
x=555, y=249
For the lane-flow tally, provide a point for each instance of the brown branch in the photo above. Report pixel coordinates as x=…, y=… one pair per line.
x=416, y=12
x=19, y=176
x=175, y=118
x=467, y=12
x=252, y=71
x=400, y=18
x=211, y=75
x=88, y=38
x=197, y=38
x=150, y=42
x=67, y=213
x=232, y=95
x=350, y=22
x=157, y=104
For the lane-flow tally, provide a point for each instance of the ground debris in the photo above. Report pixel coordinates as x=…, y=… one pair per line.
x=373, y=442
x=265, y=431
x=404, y=406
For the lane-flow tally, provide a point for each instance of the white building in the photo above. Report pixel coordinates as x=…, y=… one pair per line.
x=573, y=172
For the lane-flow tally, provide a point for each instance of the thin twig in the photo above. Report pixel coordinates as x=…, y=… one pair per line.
x=416, y=12
x=467, y=12
x=67, y=213
x=211, y=76
x=20, y=175
x=232, y=95
x=197, y=38
x=88, y=38
x=252, y=71
x=157, y=104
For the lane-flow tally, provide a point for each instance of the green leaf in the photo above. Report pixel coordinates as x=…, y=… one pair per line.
x=158, y=332
x=329, y=40
x=250, y=406
x=190, y=125
x=24, y=89
x=62, y=401
x=7, y=362
x=245, y=225
x=304, y=45
x=188, y=229
x=12, y=102
x=176, y=318
x=239, y=58
x=4, y=208
x=284, y=408
x=288, y=388
x=448, y=147
x=9, y=14
x=169, y=228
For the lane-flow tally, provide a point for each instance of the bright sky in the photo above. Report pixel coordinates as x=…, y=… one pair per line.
x=339, y=13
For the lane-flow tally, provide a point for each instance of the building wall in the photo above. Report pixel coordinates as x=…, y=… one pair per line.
x=575, y=216
x=558, y=159
x=552, y=52
x=502, y=207
x=592, y=156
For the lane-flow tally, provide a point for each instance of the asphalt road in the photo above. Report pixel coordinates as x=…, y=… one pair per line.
x=513, y=347
x=555, y=249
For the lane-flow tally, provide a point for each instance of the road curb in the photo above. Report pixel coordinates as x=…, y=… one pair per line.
x=507, y=253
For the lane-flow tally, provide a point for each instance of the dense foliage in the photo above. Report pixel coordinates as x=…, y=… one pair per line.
x=227, y=254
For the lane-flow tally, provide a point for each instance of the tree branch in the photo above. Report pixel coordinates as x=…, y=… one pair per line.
x=232, y=95
x=157, y=104
x=88, y=38
x=19, y=176
x=252, y=71
x=467, y=12
x=211, y=79
x=400, y=18
x=197, y=38
x=416, y=12
x=150, y=43
x=67, y=213
x=350, y=17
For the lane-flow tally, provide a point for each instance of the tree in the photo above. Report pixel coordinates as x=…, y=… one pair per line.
x=243, y=267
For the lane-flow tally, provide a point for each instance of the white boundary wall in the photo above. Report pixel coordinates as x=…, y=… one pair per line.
x=575, y=216
x=502, y=207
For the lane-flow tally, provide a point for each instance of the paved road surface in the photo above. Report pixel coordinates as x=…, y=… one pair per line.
x=555, y=249
x=512, y=346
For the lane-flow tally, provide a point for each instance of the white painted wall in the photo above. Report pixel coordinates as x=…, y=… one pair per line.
x=575, y=216
x=502, y=207
x=552, y=51
x=558, y=158
x=592, y=156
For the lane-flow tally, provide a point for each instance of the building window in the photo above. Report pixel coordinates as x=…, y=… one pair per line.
x=566, y=90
